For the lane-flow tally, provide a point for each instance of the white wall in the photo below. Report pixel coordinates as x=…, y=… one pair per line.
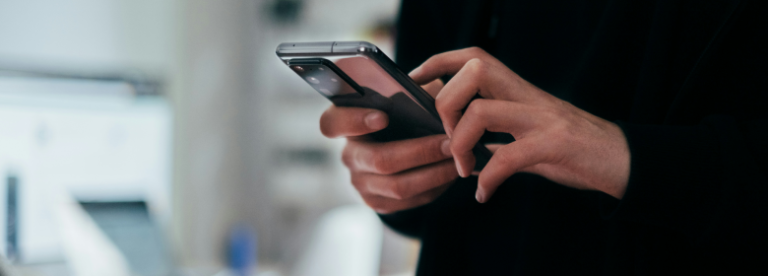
x=214, y=73
x=195, y=49
x=234, y=104
x=88, y=34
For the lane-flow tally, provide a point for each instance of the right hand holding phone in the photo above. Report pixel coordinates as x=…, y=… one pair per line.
x=391, y=176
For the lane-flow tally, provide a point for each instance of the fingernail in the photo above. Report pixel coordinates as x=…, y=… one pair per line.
x=375, y=120
x=446, y=147
x=415, y=71
x=461, y=171
x=479, y=196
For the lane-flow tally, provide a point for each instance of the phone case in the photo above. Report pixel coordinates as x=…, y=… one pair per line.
x=411, y=110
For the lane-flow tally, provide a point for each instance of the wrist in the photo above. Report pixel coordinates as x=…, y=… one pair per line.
x=619, y=165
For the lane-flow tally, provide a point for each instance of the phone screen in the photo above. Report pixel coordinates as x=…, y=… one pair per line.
x=367, y=73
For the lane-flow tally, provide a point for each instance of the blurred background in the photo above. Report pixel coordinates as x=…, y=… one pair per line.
x=148, y=137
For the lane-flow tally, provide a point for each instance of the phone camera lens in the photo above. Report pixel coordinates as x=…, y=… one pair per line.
x=313, y=80
x=298, y=69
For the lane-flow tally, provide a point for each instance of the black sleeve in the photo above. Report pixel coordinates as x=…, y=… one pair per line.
x=407, y=222
x=709, y=180
x=426, y=28
x=444, y=213
x=429, y=27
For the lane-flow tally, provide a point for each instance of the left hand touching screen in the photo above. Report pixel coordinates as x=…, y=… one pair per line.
x=553, y=138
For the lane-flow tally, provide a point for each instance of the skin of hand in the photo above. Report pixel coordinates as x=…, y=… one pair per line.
x=391, y=176
x=554, y=139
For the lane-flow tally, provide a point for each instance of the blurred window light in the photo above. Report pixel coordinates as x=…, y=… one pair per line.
x=93, y=139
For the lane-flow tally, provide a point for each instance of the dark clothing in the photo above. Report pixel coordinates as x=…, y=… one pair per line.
x=687, y=81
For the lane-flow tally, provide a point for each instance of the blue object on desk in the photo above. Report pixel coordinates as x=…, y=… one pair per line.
x=242, y=250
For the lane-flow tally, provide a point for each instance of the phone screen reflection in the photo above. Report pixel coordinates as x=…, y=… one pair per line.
x=367, y=73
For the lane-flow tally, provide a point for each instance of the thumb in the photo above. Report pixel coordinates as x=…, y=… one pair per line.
x=505, y=162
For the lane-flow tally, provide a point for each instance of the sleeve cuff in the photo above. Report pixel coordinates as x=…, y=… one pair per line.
x=673, y=177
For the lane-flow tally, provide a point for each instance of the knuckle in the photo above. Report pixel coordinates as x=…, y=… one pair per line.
x=440, y=103
x=358, y=181
x=381, y=162
x=461, y=150
x=507, y=156
x=397, y=191
x=428, y=150
x=476, y=108
x=559, y=130
x=557, y=127
x=325, y=124
x=477, y=66
x=560, y=113
x=476, y=50
x=347, y=155
x=434, y=150
x=443, y=106
x=456, y=149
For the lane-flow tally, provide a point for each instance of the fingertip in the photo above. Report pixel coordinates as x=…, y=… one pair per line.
x=484, y=190
x=466, y=167
x=480, y=195
x=376, y=120
x=486, y=186
x=326, y=127
x=415, y=72
x=459, y=169
x=462, y=159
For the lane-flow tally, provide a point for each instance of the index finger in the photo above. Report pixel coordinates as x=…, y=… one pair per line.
x=351, y=121
x=491, y=115
x=447, y=63
x=395, y=156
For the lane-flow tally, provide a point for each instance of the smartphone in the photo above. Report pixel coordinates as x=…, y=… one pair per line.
x=358, y=74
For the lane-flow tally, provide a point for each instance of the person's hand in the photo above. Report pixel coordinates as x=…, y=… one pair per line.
x=554, y=139
x=390, y=176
